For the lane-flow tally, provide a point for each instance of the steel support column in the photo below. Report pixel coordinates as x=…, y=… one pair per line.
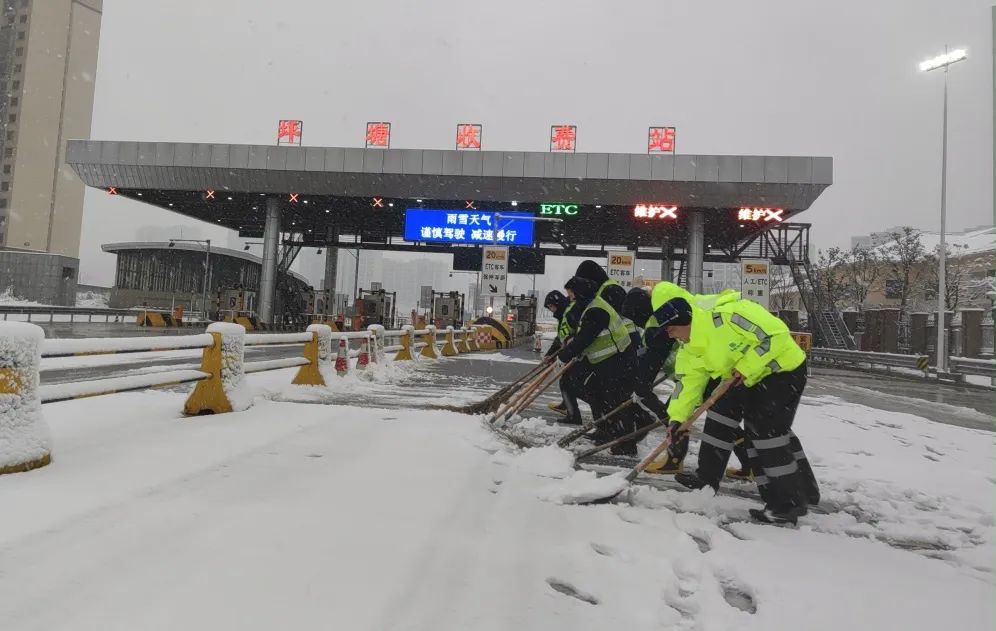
x=667, y=266
x=271, y=241
x=696, y=250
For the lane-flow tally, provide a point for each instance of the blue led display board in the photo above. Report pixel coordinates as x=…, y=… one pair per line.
x=474, y=227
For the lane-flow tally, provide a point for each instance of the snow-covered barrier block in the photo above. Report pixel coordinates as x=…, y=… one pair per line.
x=225, y=390
x=407, y=344
x=430, y=350
x=318, y=352
x=25, y=443
x=449, y=348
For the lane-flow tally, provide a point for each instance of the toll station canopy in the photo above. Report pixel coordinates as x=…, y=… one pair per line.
x=357, y=197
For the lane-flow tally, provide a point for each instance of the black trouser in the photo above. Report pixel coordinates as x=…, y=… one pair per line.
x=773, y=452
x=571, y=383
x=609, y=385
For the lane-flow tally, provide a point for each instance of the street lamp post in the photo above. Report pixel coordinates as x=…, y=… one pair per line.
x=206, y=279
x=943, y=61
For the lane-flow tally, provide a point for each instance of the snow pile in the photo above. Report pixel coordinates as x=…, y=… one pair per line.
x=8, y=298
x=233, y=363
x=584, y=486
x=109, y=534
x=91, y=299
x=548, y=462
x=24, y=437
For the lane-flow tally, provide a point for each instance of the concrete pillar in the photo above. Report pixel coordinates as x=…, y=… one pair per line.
x=918, y=333
x=889, y=326
x=667, y=264
x=331, y=269
x=871, y=341
x=271, y=245
x=971, y=332
x=696, y=250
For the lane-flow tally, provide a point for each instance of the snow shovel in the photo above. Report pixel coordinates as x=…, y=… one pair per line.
x=569, y=438
x=493, y=402
x=612, y=443
x=519, y=393
x=535, y=389
x=686, y=426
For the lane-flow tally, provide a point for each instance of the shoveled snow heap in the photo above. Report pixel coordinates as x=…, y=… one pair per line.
x=321, y=516
x=24, y=437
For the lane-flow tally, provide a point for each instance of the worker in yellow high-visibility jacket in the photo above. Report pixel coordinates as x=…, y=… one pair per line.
x=741, y=340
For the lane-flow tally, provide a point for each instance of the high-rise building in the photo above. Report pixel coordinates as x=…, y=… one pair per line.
x=48, y=59
x=48, y=63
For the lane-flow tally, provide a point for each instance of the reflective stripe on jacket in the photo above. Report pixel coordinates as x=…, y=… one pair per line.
x=611, y=340
x=739, y=335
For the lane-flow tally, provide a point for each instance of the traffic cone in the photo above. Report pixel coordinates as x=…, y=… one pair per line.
x=364, y=359
x=342, y=358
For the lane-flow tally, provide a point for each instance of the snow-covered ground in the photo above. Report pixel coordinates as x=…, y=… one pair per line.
x=385, y=518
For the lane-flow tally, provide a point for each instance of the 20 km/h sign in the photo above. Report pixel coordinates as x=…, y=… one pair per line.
x=620, y=267
x=494, y=270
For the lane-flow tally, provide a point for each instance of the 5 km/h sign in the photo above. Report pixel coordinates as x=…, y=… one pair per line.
x=494, y=270
x=754, y=281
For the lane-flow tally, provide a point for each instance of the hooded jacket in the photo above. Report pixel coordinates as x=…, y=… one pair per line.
x=594, y=318
x=611, y=291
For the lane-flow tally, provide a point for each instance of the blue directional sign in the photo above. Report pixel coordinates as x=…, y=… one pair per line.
x=475, y=227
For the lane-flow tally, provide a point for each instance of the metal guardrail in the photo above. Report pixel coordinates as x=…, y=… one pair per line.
x=970, y=366
x=959, y=366
x=76, y=314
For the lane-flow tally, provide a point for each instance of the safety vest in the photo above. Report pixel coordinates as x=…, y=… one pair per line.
x=564, y=328
x=612, y=339
x=598, y=294
x=739, y=335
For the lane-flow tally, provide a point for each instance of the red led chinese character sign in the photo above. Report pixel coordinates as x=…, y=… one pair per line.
x=760, y=214
x=289, y=132
x=660, y=140
x=379, y=135
x=563, y=137
x=468, y=136
x=655, y=211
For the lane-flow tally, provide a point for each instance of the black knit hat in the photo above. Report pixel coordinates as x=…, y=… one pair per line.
x=674, y=312
x=592, y=271
x=555, y=300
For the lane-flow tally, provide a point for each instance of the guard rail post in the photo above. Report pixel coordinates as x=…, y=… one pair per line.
x=24, y=439
x=407, y=342
x=377, y=331
x=318, y=352
x=430, y=350
x=225, y=389
x=472, y=339
x=464, y=346
x=449, y=348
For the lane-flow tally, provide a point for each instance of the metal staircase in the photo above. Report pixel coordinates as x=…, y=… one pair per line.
x=825, y=322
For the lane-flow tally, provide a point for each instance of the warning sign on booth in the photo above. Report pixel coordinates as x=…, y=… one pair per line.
x=620, y=268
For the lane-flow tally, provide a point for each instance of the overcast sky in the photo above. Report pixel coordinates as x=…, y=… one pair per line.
x=764, y=77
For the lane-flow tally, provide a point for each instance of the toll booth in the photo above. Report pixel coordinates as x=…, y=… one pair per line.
x=447, y=309
x=375, y=307
x=521, y=313
x=237, y=305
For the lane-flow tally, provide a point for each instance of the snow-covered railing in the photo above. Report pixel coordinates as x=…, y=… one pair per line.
x=958, y=366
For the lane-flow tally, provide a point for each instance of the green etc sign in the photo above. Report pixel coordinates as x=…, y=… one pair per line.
x=559, y=210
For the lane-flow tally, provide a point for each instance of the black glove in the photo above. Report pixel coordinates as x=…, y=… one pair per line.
x=675, y=435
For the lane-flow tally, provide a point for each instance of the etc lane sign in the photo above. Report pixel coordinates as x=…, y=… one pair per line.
x=754, y=281
x=558, y=210
x=620, y=267
x=494, y=270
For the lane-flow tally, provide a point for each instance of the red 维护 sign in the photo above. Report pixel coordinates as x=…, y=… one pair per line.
x=760, y=214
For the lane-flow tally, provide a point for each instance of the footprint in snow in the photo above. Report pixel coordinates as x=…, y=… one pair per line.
x=929, y=457
x=936, y=452
x=737, y=596
x=567, y=589
x=701, y=542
